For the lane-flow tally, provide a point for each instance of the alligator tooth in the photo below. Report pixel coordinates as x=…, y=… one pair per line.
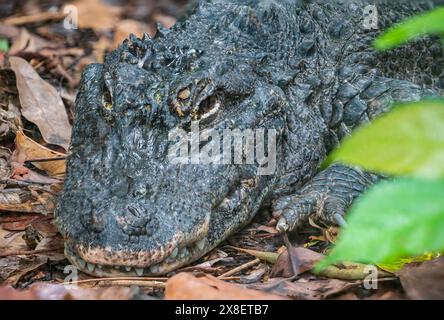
x=117, y=267
x=90, y=267
x=174, y=253
x=201, y=244
x=81, y=263
x=128, y=269
x=139, y=271
x=99, y=266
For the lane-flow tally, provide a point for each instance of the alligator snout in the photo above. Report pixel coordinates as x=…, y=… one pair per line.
x=138, y=240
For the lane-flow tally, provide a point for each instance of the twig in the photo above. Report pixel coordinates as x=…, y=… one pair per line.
x=157, y=282
x=129, y=283
x=152, y=279
x=229, y=278
x=294, y=261
x=27, y=253
x=33, y=18
x=46, y=159
x=21, y=183
x=240, y=268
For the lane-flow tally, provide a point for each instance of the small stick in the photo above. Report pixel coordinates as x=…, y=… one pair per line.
x=151, y=279
x=229, y=278
x=33, y=18
x=240, y=268
x=46, y=159
x=27, y=253
x=133, y=280
x=294, y=262
x=129, y=283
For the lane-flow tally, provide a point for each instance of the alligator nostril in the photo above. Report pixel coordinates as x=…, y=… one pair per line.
x=135, y=211
x=96, y=221
x=91, y=215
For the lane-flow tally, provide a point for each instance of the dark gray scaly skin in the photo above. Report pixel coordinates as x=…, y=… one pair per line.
x=304, y=68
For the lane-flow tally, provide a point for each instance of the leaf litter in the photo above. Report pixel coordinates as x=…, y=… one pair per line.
x=39, y=79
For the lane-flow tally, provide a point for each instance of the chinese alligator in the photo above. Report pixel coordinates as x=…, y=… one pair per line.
x=303, y=69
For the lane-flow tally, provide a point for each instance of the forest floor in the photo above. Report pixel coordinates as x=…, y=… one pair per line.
x=40, y=68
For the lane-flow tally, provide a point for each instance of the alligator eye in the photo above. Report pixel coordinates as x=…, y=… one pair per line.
x=180, y=104
x=106, y=101
x=208, y=107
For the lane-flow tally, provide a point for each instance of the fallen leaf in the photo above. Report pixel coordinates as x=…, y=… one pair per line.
x=255, y=275
x=305, y=257
x=21, y=224
x=61, y=292
x=26, y=200
x=307, y=260
x=28, y=150
x=21, y=173
x=96, y=14
x=41, y=104
x=268, y=229
x=12, y=196
x=303, y=289
x=28, y=42
x=185, y=286
x=352, y=271
x=424, y=281
x=14, y=268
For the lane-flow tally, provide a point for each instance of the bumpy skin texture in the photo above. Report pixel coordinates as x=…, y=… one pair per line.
x=304, y=68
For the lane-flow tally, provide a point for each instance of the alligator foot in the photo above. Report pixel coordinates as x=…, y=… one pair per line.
x=325, y=198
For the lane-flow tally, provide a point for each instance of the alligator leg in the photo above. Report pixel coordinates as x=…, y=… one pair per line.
x=325, y=198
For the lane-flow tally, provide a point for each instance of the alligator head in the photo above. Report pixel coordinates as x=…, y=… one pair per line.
x=133, y=203
x=127, y=206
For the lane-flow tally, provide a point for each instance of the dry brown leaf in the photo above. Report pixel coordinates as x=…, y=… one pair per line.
x=44, y=204
x=303, y=289
x=96, y=14
x=41, y=104
x=308, y=258
x=21, y=224
x=28, y=150
x=16, y=267
x=185, y=286
x=27, y=42
x=21, y=173
x=61, y=292
x=424, y=281
x=8, y=31
x=305, y=257
x=267, y=229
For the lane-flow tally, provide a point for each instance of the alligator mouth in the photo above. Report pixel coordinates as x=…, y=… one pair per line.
x=97, y=261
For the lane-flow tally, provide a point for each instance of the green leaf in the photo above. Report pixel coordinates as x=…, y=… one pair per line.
x=4, y=45
x=429, y=23
x=395, y=219
x=409, y=140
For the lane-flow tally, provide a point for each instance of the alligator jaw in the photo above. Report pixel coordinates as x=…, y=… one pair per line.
x=86, y=261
